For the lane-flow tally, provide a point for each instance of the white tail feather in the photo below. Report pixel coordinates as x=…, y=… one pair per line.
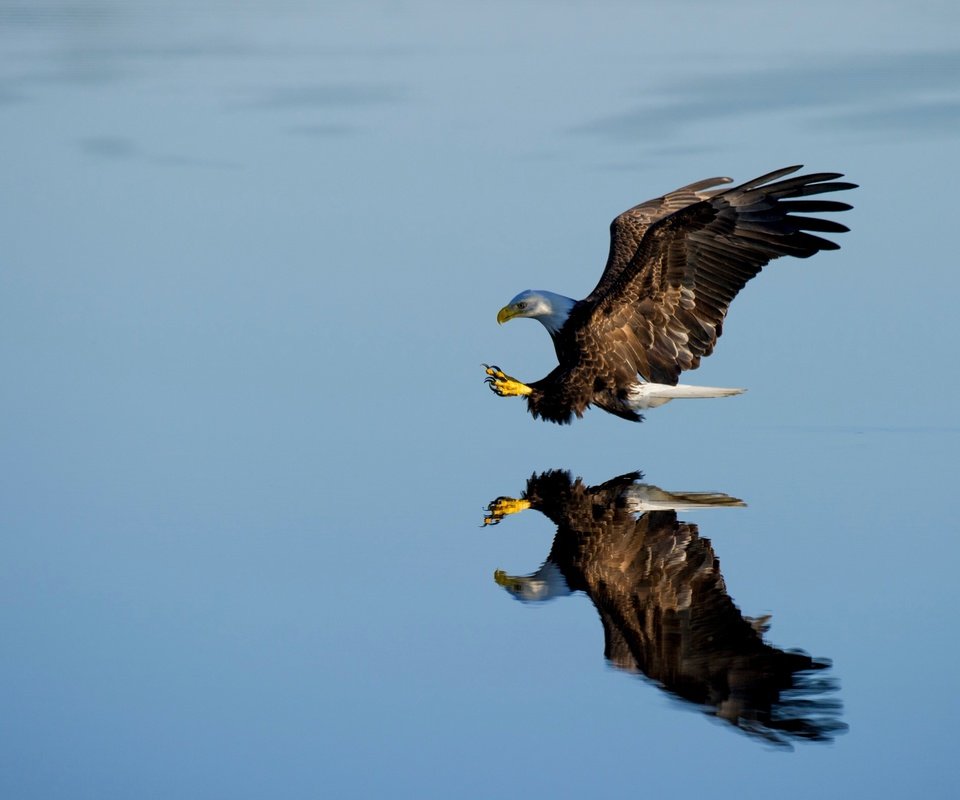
x=642, y=497
x=651, y=395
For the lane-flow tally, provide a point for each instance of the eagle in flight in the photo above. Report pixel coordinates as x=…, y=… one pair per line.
x=675, y=265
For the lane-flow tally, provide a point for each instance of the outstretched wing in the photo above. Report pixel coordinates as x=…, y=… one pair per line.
x=627, y=230
x=663, y=311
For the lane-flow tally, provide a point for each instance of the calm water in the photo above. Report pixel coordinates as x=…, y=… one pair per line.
x=252, y=257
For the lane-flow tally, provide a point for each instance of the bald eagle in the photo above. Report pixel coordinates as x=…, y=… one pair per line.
x=675, y=265
x=666, y=613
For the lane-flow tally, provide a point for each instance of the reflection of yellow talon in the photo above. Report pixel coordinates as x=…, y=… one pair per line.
x=502, y=506
x=503, y=385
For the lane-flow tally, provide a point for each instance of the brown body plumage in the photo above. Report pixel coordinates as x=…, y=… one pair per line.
x=675, y=265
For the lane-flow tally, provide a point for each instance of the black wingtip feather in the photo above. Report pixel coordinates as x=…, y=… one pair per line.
x=817, y=224
x=814, y=206
x=770, y=176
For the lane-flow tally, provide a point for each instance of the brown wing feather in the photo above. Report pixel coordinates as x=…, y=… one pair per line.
x=627, y=230
x=664, y=310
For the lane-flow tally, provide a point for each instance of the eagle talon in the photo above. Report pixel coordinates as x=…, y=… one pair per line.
x=503, y=385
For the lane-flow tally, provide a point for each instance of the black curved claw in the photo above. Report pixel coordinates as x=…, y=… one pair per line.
x=491, y=517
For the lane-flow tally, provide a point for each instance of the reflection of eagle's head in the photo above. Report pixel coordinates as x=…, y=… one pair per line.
x=545, y=584
x=664, y=606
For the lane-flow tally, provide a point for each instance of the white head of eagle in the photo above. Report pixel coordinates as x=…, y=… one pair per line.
x=549, y=308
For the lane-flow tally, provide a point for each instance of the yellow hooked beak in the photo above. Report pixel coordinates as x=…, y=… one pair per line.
x=507, y=313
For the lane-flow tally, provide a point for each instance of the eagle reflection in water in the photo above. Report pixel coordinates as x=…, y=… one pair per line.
x=664, y=606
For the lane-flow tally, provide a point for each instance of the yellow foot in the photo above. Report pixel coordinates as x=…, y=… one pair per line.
x=502, y=506
x=504, y=385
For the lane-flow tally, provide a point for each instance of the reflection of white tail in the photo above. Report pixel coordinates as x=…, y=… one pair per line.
x=642, y=497
x=651, y=395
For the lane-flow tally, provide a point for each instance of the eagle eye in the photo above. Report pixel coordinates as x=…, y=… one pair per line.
x=521, y=305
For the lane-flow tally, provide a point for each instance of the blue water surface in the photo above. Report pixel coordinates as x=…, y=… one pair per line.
x=252, y=255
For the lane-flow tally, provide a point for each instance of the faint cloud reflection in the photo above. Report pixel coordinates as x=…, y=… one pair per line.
x=118, y=147
x=121, y=148
x=326, y=96
x=879, y=94
x=325, y=131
